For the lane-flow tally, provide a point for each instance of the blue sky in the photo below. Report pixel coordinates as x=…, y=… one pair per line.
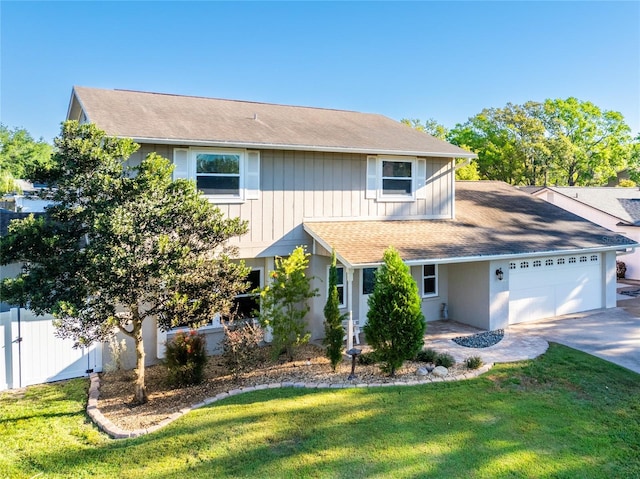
x=441, y=60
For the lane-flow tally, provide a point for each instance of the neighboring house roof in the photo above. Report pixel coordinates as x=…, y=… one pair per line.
x=493, y=220
x=175, y=119
x=622, y=203
x=6, y=217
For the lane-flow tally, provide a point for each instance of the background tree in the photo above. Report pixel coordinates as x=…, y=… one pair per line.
x=121, y=245
x=562, y=142
x=284, y=302
x=437, y=130
x=395, y=324
x=333, y=331
x=21, y=155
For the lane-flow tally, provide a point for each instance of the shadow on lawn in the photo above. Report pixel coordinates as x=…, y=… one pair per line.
x=548, y=417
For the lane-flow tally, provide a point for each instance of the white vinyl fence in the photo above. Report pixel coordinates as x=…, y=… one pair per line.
x=40, y=357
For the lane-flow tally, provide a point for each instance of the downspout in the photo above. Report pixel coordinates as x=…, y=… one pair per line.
x=350, y=308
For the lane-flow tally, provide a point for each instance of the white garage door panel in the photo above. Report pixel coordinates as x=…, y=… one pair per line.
x=554, y=286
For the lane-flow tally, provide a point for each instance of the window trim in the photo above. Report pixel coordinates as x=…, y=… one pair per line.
x=343, y=304
x=375, y=182
x=185, y=163
x=433, y=276
x=411, y=179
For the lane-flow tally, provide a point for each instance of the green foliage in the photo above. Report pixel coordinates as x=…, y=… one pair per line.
x=8, y=183
x=21, y=155
x=241, y=346
x=473, y=362
x=445, y=359
x=562, y=142
x=284, y=302
x=186, y=358
x=333, y=331
x=430, y=126
x=369, y=358
x=395, y=324
x=122, y=244
x=626, y=183
x=427, y=355
x=468, y=172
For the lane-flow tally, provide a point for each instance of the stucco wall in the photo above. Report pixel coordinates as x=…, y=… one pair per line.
x=469, y=299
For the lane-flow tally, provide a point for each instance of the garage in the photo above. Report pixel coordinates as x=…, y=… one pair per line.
x=552, y=286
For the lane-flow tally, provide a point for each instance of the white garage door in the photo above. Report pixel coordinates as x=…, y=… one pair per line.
x=545, y=287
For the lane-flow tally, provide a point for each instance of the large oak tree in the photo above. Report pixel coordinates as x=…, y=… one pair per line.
x=121, y=245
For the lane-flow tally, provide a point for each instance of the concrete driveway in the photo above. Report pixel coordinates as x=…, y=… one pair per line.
x=612, y=334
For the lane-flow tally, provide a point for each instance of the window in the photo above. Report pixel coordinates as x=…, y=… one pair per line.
x=429, y=280
x=368, y=280
x=583, y=259
x=560, y=261
x=245, y=305
x=218, y=174
x=572, y=259
x=537, y=263
x=512, y=265
x=524, y=264
x=396, y=178
x=339, y=285
x=548, y=262
x=223, y=175
x=594, y=257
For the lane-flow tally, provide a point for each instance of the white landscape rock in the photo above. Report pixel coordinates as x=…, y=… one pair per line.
x=422, y=371
x=440, y=371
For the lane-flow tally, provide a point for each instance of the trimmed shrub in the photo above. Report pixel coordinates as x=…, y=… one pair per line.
x=333, y=332
x=367, y=359
x=186, y=358
x=395, y=324
x=445, y=359
x=241, y=347
x=427, y=355
x=473, y=362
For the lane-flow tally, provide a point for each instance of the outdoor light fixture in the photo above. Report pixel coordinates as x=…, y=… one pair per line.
x=499, y=274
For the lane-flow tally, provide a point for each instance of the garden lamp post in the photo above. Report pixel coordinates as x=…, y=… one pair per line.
x=353, y=352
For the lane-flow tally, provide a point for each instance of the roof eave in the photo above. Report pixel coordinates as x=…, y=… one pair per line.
x=293, y=147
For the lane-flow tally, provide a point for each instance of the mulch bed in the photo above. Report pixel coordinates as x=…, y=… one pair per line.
x=309, y=365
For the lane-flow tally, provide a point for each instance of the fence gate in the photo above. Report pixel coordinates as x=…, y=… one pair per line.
x=40, y=357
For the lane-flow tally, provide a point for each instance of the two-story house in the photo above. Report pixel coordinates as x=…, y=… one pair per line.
x=357, y=183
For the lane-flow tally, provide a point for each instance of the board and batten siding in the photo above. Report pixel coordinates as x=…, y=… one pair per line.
x=306, y=185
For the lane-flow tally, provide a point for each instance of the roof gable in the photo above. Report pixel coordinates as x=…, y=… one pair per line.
x=162, y=118
x=622, y=203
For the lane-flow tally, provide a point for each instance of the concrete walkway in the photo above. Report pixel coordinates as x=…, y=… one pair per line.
x=515, y=346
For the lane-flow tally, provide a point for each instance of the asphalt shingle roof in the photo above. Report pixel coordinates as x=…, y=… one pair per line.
x=492, y=219
x=623, y=203
x=195, y=120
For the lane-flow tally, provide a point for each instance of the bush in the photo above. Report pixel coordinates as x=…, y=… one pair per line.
x=333, y=332
x=395, y=324
x=367, y=359
x=427, y=355
x=445, y=359
x=186, y=358
x=621, y=270
x=241, y=347
x=473, y=362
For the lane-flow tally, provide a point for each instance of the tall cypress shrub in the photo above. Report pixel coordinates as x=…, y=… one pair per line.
x=333, y=332
x=395, y=323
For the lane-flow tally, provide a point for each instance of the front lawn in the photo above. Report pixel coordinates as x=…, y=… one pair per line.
x=565, y=414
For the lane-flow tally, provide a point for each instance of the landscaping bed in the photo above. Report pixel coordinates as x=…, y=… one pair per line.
x=309, y=366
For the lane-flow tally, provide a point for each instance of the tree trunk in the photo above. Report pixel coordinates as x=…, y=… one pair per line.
x=140, y=391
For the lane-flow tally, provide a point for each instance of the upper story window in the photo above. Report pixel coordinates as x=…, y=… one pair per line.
x=395, y=178
x=223, y=175
x=429, y=280
x=218, y=174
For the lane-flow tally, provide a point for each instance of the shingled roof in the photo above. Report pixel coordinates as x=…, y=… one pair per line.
x=493, y=220
x=175, y=119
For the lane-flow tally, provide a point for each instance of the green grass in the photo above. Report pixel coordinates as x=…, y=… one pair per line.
x=565, y=414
